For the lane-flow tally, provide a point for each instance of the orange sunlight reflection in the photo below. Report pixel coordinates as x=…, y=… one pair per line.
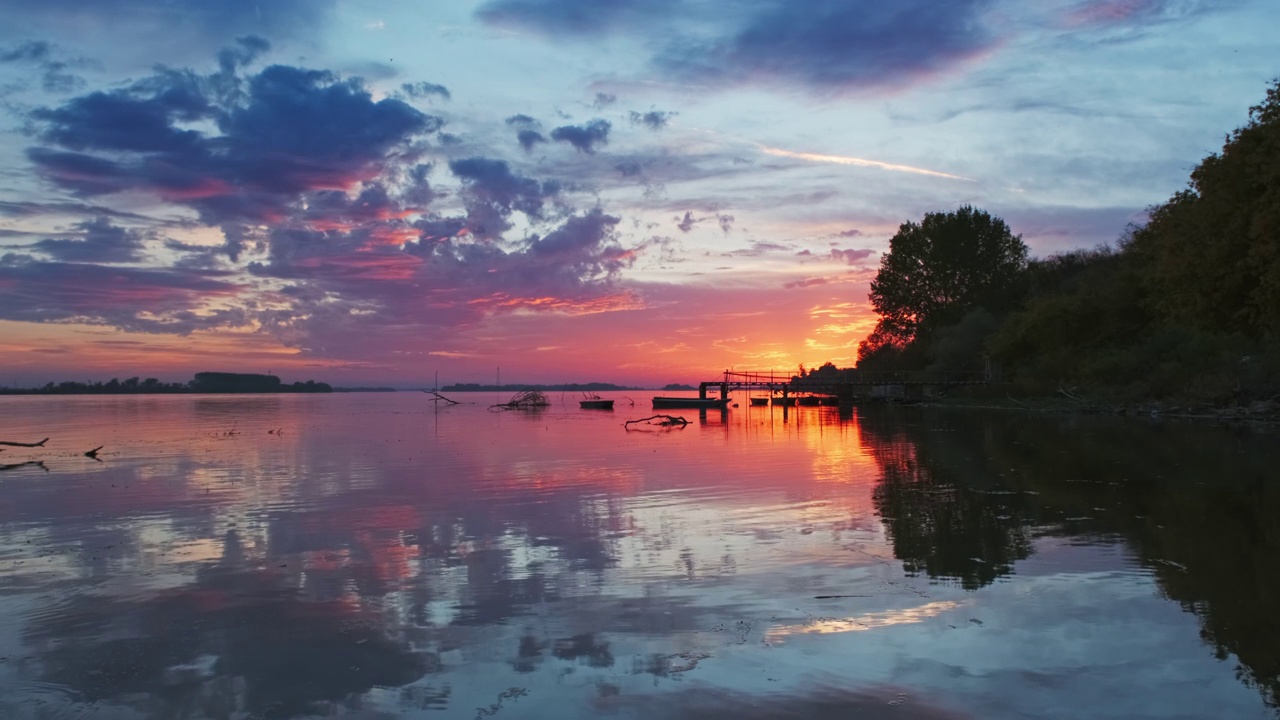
x=861, y=623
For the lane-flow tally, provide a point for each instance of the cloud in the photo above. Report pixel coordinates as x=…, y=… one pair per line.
x=654, y=119
x=55, y=75
x=852, y=257
x=529, y=138
x=686, y=223
x=422, y=90
x=860, y=162
x=213, y=22
x=1101, y=13
x=629, y=168
x=584, y=137
x=35, y=209
x=603, y=100
x=144, y=300
x=821, y=45
x=287, y=131
x=573, y=18
x=332, y=241
x=491, y=182
x=99, y=242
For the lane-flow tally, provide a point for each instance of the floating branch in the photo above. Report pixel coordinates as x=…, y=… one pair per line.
x=93, y=453
x=633, y=402
x=18, y=444
x=523, y=401
x=663, y=421
x=438, y=397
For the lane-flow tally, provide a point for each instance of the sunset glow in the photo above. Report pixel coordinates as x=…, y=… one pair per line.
x=325, y=190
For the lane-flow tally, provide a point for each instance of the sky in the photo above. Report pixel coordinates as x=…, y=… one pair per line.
x=630, y=191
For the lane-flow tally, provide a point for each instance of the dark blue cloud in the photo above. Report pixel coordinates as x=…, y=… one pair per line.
x=55, y=73
x=115, y=121
x=522, y=121
x=529, y=138
x=491, y=182
x=573, y=16
x=584, y=137
x=35, y=209
x=99, y=242
x=838, y=44
x=654, y=119
x=823, y=45
x=422, y=90
x=288, y=130
x=629, y=168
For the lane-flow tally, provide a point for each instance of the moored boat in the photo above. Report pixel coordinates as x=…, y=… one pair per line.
x=785, y=401
x=595, y=404
x=690, y=403
x=759, y=401
x=809, y=400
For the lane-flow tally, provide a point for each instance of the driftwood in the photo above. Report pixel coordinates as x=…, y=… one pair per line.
x=94, y=453
x=526, y=400
x=18, y=444
x=666, y=421
x=438, y=397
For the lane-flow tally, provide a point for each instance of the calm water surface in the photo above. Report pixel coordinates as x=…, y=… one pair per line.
x=369, y=556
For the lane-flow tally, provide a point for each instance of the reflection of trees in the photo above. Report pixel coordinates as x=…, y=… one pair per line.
x=937, y=526
x=1198, y=506
x=235, y=639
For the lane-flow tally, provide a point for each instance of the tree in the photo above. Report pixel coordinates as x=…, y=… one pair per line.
x=940, y=269
x=1213, y=250
x=947, y=265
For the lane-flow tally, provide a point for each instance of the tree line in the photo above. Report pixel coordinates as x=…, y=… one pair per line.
x=1186, y=305
x=204, y=382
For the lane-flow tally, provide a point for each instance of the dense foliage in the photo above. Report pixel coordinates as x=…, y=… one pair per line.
x=936, y=272
x=1187, y=305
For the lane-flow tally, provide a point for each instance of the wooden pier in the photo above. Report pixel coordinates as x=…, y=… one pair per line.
x=845, y=385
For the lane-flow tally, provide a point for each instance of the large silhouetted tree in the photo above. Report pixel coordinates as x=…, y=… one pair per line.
x=938, y=270
x=1213, y=250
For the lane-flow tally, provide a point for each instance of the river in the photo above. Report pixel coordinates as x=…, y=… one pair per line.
x=374, y=556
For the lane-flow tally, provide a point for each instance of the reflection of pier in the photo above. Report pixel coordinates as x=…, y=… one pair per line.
x=842, y=385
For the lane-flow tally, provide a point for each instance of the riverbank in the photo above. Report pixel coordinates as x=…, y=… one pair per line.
x=1076, y=401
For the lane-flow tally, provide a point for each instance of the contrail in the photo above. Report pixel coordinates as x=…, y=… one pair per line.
x=861, y=162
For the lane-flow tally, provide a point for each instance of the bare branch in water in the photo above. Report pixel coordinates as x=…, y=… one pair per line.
x=663, y=421
x=20, y=444
x=438, y=397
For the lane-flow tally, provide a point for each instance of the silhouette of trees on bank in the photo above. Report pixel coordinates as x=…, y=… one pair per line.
x=205, y=382
x=1185, y=306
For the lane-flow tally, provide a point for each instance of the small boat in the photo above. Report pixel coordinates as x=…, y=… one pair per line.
x=690, y=403
x=784, y=401
x=595, y=404
x=809, y=400
x=759, y=401
x=829, y=401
